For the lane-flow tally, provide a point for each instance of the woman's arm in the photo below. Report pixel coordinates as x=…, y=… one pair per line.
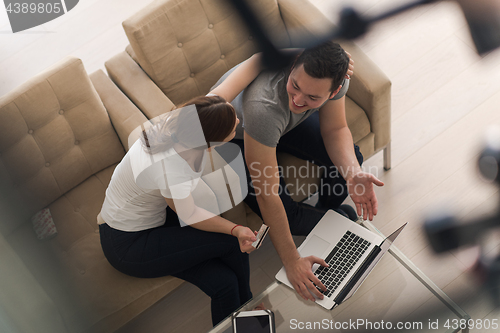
x=240, y=78
x=202, y=219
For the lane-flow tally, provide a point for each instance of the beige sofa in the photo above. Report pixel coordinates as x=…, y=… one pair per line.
x=63, y=132
x=61, y=135
x=180, y=48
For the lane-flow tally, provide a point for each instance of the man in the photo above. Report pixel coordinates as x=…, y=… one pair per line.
x=278, y=112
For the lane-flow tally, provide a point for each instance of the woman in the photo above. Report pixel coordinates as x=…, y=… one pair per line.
x=136, y=236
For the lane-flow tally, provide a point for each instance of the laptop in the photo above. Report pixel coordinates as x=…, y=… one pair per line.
x=351, y=250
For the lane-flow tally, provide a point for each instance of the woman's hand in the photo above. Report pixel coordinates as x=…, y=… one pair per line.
x=350, y=70
x=245, y=237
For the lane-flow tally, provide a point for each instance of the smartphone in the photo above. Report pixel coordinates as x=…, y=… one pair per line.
x=258, y=321
x=260, y=236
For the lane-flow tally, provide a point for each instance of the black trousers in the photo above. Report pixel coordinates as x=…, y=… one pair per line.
x=211, y=261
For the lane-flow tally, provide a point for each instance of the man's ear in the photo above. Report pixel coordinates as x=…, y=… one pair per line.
x=335, y=92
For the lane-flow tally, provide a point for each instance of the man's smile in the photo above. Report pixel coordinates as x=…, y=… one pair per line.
x=297, y=105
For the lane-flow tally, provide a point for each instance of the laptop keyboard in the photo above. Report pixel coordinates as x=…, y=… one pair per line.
x=341, y=260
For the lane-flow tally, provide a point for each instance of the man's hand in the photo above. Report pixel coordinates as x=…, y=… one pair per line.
x=245, y=237
x=301, y=277
x=350, y=70
x=362, y=192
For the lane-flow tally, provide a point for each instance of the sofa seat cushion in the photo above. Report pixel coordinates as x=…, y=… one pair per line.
x=367, y=145
x=302, y=177
x=357, y=120
x=98, y=290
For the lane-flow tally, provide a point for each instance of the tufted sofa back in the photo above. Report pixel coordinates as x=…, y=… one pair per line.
x=185, y=46
x=54, y=134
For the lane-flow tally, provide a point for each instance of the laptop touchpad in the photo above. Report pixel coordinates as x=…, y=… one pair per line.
x=314, y=247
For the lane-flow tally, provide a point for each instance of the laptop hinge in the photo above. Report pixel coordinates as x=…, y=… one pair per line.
x=354, y=279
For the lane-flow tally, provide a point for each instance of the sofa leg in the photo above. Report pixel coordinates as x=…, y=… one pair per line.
x=387, y=157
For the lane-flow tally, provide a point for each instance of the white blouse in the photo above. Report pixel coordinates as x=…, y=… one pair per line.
x=135, y=198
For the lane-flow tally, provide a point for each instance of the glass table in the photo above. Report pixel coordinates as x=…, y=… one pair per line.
x=395, y=297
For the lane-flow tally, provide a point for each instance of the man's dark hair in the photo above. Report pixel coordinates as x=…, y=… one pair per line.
x=327, y=60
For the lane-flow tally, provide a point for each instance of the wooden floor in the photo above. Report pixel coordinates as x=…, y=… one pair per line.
x=444, y=98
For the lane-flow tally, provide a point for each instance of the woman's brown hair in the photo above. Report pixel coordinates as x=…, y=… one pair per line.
x=216, y=116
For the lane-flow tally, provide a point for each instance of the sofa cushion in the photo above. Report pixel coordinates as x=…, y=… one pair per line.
x=168, y=38
x=54, y=134
x=356, y=120
x=367, y=145
x=302, y=177
x=98, y=291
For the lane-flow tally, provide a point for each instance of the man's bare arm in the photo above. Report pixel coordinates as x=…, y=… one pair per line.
x=340, y=147
x=338, y=138
x=240, y=78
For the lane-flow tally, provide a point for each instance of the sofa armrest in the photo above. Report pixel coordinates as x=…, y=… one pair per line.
x=124, y=115
x=137, y=85
x=370, y=88
x=303, y=20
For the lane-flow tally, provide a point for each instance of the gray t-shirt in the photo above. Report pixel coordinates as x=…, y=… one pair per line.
x=263, y=107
